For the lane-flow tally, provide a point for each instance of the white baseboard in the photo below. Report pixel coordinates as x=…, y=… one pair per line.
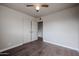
x=62, y=45
x=10, y=47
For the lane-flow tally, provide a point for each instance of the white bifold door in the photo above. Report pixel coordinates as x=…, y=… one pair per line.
x=33, y=30
x=30, y=30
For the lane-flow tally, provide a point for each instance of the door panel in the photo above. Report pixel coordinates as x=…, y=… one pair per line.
x=34, y=30
x=30, y=30
x=27, y=31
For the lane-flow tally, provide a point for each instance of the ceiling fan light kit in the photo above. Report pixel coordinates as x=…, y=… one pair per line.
x=37, y=6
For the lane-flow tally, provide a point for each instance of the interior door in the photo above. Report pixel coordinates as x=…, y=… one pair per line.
x=34, y=30
x=27, y=30
x=30, y=30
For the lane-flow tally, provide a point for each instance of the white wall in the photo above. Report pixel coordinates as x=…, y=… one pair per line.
x=15, y=28
x=62, y=28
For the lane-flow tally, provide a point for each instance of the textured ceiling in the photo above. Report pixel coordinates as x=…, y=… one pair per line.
x=53, y=7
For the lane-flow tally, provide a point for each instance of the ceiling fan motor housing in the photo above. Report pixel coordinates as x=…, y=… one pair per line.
x=37, y=10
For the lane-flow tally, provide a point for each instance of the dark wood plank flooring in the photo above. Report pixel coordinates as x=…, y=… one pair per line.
x=40, y=48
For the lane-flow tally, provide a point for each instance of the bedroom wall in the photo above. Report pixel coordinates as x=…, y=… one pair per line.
x=15, y=28
x=62, y=28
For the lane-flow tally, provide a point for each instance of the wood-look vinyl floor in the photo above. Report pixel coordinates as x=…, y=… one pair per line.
x=40, y=48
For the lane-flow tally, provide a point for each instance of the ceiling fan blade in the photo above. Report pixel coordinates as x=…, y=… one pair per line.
x=44, y=5
x=29, y=5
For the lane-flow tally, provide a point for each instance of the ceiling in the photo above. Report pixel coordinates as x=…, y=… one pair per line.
x=53, y=7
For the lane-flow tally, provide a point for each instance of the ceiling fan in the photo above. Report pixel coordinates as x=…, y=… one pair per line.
x=37, y=6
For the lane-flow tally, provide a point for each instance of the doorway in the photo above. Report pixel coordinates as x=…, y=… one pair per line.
x=40, y=30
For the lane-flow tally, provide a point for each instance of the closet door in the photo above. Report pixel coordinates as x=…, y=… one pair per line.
x=27, y=30
x=34, y=30
x=30, y=30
